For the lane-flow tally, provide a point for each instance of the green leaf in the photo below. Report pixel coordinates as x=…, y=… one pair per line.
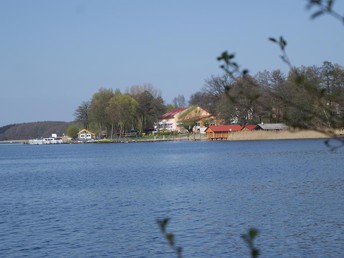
x=163, y=224
x=253, y=233
x=170, y=238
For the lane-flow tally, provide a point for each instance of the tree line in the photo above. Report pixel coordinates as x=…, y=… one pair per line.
x=32, y=130
x=307, y=97
x=115, y=113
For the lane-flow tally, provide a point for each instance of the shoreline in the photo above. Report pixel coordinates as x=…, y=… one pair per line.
x=235, y=136
x=283, y=135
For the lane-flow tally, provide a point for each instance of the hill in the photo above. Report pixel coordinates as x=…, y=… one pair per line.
x=33, y=130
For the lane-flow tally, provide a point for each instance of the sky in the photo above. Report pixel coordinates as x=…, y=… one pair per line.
x=56, y=54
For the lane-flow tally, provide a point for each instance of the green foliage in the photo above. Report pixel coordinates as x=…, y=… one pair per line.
x=169, y=237
x=98, y=107
x=302, y=101
x=230, y=66
x=121, y=111
x=189, y=117
x=72, y=131
x=116, y=113
x=167, y=133
x=150, y=108
x=249, y=239
x=282, y=43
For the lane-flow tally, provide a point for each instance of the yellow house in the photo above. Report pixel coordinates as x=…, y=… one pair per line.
x=86, y=135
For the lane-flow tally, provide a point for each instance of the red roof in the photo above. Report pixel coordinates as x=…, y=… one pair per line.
x=250, y=127
x=224, y=128
x=172, y=113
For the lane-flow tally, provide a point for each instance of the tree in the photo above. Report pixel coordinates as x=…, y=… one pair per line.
x=127, y=111
x=203, y=100
x=214, y=88
x=244, y=97
x=179, y=101
x=271, y=108
x=72, y=131
x=122, y=112
x=112, y=111
x=332, y=81
x=138, y=89
x=81, y=114
x=150, y=105
x=97, y=109
x=319, y=111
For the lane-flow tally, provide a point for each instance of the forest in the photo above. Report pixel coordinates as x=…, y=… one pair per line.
x=309, y=97
x=25, y=131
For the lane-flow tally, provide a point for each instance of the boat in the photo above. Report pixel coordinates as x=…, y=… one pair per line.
x=50, y=140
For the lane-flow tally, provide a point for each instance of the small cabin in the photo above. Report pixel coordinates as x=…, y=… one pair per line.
x=221, y=132
x=86, y=135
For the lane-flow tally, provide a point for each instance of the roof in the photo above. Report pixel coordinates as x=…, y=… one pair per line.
x=278, y=126
x=250, y=127
x=224, y=128
x=85, y=131
x=172, y=113
x=198, y=118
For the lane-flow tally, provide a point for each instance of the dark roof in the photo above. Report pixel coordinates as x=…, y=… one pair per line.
x=172, y=113
x=224, y=128
x=278, y=126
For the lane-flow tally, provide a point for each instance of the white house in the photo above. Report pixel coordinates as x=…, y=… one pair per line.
x=86, y=135
x=169, y=120
x=174, y=119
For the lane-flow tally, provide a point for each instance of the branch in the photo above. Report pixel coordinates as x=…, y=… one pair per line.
x=169, y=236
x=324, y=7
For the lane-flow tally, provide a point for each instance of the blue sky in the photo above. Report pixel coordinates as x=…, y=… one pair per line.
x=56, y=54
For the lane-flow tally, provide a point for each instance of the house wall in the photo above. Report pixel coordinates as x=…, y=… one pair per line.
x=171, y=124
x=216, y=135
x=168, y=124
x=85, y=135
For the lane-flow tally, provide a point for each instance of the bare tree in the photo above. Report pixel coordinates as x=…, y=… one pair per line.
x=179, y=101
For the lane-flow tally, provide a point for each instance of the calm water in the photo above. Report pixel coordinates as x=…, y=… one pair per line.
x=103, y=200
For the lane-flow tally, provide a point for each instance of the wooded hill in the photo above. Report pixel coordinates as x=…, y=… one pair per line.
x=33, y=130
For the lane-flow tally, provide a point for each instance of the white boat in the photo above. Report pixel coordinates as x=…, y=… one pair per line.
x=50, y=140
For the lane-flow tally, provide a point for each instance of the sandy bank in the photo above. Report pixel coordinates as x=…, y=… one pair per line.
x=280, y=135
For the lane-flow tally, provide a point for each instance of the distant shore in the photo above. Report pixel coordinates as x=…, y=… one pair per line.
x=235, y=136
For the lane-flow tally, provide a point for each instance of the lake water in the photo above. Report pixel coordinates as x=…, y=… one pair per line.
x=103, y=200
